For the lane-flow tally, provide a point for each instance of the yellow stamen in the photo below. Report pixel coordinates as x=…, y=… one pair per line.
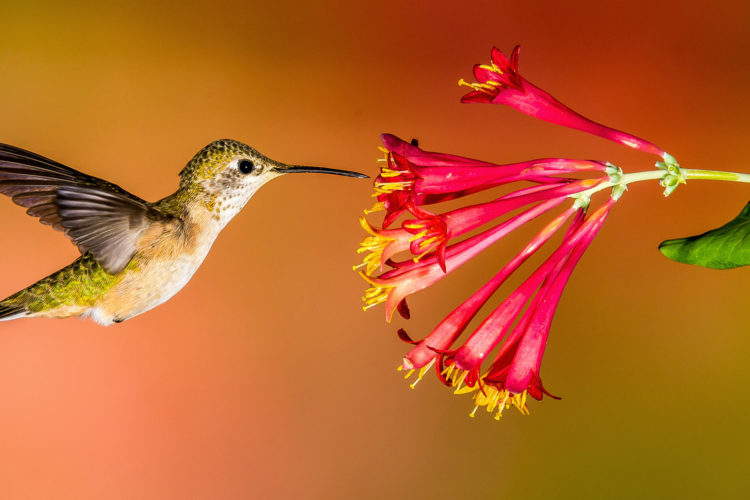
x=386, y=156
x=418, y=235
x=371, y=263
x=466, y=389
x=425, y=244
x=490, y=87
x=377, y=207
x=505, y=400
x=447, y=371
x=389, y=172
x=454, y=376
x=491, y=67
x=488, y=396
x=390, y=187
x=417, y=258
x=420, y=373
x=376, y=294
x=457, y=383
x=422, y=244
x=494, y=400
x=428, y=242
x=375, y=244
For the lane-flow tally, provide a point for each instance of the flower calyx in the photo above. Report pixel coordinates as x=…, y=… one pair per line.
x=619, y=186
x=673, y=176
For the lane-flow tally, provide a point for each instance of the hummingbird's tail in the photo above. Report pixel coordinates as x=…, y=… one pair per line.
x=10, y=311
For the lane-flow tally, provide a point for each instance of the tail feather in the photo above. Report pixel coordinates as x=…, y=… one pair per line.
x=11, y=311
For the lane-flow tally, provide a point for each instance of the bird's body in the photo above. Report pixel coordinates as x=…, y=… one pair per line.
x=165, y=261
x=135, y=254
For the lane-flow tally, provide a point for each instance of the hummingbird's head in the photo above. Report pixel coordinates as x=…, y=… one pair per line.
x=227, y=173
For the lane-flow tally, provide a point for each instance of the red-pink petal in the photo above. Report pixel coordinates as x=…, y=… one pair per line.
x=476, y=96
x=519, y=93
x=453, y=325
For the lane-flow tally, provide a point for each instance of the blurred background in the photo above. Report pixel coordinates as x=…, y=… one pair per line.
x=263, y=378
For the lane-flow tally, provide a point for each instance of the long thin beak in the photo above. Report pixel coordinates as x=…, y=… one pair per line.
x=300, y=169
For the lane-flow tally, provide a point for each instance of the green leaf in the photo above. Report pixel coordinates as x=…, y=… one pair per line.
x=722, y=248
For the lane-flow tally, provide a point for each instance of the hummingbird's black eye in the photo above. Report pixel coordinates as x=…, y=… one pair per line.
x=246, y=166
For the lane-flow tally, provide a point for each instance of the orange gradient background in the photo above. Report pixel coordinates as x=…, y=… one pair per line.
x=263, y=378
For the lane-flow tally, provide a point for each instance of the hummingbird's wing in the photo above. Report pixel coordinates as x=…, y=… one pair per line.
x=100, y=217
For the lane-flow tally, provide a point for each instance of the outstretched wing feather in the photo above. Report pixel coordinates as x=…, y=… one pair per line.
x=100, y=217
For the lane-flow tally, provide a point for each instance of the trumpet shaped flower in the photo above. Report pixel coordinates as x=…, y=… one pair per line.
x=436, y=245
x=417, y=243
x=411, y=178
x=500, y=83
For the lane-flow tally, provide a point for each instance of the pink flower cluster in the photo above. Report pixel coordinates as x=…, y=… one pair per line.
x=500, y=360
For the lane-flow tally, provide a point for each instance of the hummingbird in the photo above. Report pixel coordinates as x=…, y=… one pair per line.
x=135, y=255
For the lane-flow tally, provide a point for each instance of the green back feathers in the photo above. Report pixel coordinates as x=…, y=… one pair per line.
x=79, y=284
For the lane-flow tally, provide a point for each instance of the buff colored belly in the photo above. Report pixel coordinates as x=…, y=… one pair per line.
x=153, y=283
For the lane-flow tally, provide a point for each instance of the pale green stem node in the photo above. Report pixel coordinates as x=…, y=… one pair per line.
x=674, y=175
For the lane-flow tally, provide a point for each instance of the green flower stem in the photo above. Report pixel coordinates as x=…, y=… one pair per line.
x=715, y=175
x=625, y=179
x=685, y=173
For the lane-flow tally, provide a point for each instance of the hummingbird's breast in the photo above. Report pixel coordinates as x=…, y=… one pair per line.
x=168, y=258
